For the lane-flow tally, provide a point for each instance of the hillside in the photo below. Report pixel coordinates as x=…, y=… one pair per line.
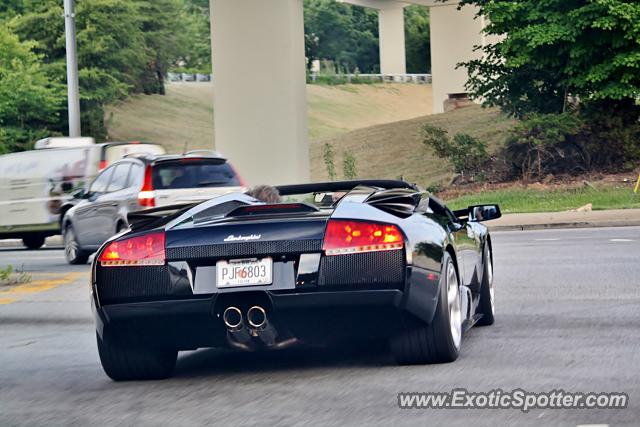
x=395, y=149
x=185, y=113
x=380, y=124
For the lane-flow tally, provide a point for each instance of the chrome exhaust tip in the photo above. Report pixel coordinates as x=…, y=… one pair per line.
x=232, y=318
x=257, y=317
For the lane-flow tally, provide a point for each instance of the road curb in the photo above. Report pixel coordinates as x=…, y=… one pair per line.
x=560, y=225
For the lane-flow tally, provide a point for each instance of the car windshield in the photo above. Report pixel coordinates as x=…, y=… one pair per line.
x=194, y=174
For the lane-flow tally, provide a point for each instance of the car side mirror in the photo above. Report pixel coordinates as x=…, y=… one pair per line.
x=480, y=213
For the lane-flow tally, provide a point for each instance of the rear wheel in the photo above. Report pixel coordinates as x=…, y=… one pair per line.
x=33, y=242
x=123, y=362
x=73, y=252
x=487, y=300
x=439, y=341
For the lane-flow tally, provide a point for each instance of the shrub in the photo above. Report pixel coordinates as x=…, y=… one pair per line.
x=349, y=166
x=466, y=153
x=436, y=138
x=328, y=158
x=5, y=273
x=340, y=79
x=10, y=276
x=612, y=134
x=434, y=188
x=544, y=144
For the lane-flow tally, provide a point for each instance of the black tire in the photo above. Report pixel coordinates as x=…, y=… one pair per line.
x=73, y=252
x=33, y=242
x=135, y=362
x=424, y=343
x=487, y=300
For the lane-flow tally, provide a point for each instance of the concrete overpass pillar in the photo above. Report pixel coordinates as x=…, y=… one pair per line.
x=454, y=33
x=392, y=47
x=260, y=105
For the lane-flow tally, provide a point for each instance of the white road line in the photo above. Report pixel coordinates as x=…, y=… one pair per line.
x=621, y=240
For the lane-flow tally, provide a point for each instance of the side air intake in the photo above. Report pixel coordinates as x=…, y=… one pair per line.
x=399, y=202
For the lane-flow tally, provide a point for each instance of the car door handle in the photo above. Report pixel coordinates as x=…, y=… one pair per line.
x=114, y=203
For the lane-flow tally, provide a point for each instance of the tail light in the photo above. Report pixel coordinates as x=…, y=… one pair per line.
x=147, y=249
x=344, y=237
x=103, y=164
x=147, y=195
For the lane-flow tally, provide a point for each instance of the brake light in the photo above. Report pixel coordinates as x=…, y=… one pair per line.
x=147, y=195
x=140, y=250
x=343, y=237
x=103, y=164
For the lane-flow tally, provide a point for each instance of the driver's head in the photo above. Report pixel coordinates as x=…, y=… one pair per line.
x=265, y=193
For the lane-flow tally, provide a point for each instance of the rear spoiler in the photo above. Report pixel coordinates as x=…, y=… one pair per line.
x=333, y=186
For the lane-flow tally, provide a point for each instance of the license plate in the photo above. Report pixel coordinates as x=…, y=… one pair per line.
x=244, y=272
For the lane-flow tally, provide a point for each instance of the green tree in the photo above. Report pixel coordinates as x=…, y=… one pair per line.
x=163, y=36
x=124, y=47
x=345, y=34
x=417, y=39
x=11, y=7
x=348, y=36
x=552, y=51
x=29, y=101
x=196, y=43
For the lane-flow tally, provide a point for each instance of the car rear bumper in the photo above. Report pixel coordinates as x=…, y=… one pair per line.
x=195, y=323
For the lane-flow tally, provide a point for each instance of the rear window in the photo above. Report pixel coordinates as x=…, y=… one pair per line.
x=116, y=152
x=193, y=175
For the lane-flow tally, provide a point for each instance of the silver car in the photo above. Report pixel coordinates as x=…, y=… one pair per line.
x=142, y=182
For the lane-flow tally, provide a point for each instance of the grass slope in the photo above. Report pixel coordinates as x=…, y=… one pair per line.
x=380, y=124
x=185, y=114
x=395, y=149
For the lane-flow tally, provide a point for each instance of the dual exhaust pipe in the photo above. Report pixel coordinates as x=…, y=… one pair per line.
x=241, y=336
x=256, y=318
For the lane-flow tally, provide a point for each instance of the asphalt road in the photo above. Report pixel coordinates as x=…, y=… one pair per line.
x=568, y=317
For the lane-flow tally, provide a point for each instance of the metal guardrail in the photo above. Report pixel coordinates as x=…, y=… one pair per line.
x=189, y=77
x=382, y=78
